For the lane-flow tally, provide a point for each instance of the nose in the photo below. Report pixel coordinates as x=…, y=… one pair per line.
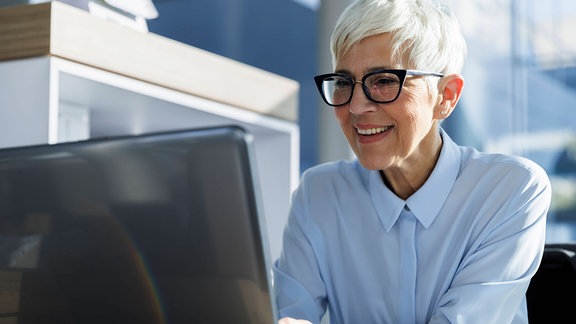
x=359, y=103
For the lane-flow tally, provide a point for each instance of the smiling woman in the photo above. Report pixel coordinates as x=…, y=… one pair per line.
x=431, y=231
x=403, y=108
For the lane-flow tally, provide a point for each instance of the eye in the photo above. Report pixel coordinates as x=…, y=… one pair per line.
x=383, y=80
x=340, y=82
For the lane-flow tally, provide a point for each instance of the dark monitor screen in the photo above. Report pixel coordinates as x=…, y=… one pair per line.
x=157, y=228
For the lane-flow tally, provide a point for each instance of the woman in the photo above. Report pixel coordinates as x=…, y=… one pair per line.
x=417, y=229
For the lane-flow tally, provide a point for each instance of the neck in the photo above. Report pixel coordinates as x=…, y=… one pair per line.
x=405, y=179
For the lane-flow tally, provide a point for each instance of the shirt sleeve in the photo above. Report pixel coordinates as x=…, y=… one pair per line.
x=300, y=291
x=493, y=277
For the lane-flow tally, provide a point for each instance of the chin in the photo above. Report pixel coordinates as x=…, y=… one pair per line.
x=374, y=158
x=371, y=165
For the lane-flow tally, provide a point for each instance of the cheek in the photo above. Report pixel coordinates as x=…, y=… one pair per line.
x=342, y=115
x=415, y=121
x=418, y=107
x=409, y=113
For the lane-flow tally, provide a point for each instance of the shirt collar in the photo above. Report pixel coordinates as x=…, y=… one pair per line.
x=429, y=199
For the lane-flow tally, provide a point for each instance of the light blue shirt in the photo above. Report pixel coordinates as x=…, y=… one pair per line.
x=462, y=249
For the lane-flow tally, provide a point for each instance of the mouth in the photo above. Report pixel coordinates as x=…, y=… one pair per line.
x=373, y=131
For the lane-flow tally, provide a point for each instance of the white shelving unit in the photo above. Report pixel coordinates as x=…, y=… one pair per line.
x=65, y=75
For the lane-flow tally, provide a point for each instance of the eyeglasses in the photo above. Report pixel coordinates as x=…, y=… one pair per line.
x=382, y=86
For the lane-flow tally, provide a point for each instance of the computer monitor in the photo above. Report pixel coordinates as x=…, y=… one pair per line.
x=157, y=228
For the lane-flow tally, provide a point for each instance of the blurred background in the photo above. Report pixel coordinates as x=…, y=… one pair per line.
x=520, y=94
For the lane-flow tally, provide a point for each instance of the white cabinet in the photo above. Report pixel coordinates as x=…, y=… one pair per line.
x=65, y=75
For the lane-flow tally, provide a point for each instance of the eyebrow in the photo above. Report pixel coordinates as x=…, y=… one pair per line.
x=370, y=70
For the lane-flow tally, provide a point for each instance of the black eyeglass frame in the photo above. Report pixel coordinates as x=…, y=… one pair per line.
x=401, y=74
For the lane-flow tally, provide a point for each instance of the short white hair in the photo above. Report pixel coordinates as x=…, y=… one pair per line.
x=424, y=33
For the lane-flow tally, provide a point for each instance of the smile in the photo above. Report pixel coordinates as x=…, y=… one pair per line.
x=372, y=131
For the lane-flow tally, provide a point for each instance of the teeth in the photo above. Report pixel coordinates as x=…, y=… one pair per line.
x=371, y=131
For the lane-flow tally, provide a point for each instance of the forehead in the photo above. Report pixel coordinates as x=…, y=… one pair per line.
x=368, y=54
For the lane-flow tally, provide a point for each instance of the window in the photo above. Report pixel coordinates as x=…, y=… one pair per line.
x=520, y=94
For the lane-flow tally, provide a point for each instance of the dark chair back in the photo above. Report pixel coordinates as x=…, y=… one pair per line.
x=551, y=296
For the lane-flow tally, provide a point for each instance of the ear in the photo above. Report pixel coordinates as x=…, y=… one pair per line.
x=449, y=90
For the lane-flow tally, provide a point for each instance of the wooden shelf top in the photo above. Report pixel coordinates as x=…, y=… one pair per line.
x=61, y=30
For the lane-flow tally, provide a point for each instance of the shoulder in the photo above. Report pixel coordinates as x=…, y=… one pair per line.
x=334, y=169
x=472, y=158
x=477, y=163
x=334, y=176
x=500, y=168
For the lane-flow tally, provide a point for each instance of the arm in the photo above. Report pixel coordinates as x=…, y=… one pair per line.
x=300, y=292
x=492, y=279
